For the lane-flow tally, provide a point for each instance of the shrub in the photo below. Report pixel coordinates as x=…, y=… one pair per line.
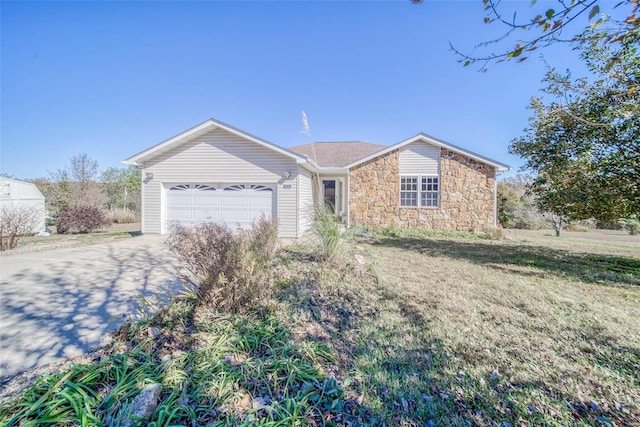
x=81, y=219
x=15, y=222
x=122, y=216
x=632, y=225
x=326, y=228
x=228, y=270
x=577, y=228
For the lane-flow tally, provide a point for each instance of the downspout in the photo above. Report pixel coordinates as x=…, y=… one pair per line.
x=347, y=208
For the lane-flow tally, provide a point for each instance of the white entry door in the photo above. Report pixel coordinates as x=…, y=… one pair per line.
x=236, y=205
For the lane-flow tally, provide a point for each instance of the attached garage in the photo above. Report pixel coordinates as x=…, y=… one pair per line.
x=215, y=172
x=236, y=205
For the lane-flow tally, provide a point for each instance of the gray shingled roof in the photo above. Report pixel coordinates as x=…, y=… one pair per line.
x=336, y=154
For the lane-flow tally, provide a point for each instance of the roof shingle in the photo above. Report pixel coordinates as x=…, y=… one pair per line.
x=336, y=154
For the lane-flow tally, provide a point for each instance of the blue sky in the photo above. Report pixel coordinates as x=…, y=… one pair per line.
x=112, y=78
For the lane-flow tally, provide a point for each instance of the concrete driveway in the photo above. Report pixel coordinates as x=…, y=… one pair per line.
x=61, y=303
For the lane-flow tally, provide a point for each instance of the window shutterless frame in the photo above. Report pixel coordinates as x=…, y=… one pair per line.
x=419, y=191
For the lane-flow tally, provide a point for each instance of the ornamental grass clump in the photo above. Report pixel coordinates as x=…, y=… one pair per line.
x=327, y=230
x=226, y=269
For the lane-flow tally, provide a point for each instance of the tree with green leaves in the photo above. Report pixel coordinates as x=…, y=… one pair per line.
x=583, y=140
x=516, y=206
x=543, y=25
x=121, y=187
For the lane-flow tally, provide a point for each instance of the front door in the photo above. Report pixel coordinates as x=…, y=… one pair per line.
x=329, y=193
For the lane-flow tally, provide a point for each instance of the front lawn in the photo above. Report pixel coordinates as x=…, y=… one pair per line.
x=418, y=330
x=56, y=241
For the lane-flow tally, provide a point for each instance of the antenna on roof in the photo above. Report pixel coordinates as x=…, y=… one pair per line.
x=316, y=175
x=305, y=125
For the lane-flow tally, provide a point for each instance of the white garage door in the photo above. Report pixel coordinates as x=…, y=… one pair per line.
x=234, y=205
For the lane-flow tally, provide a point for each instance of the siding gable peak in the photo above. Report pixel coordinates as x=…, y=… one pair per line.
x=201, y=129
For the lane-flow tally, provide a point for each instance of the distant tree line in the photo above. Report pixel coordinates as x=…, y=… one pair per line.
x=81, y=198
x=519, y=207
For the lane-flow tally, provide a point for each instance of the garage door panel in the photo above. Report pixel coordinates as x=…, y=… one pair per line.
x=206, y=215
x=206, y=202
x=259, y=204
x=179, y=199
x=234, y=200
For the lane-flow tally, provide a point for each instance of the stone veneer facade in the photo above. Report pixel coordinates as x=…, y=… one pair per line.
x=467, y=198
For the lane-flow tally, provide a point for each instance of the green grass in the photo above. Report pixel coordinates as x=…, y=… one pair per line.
x=214, y=370
x=424, y=329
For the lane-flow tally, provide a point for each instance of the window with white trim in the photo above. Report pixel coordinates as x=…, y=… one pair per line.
x=419, y=191
x=429, y=191
x=409, y=191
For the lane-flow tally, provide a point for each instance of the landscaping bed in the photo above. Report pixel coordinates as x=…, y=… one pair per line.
x=412, y=330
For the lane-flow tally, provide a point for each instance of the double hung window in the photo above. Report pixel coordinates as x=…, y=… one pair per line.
x=419, y=191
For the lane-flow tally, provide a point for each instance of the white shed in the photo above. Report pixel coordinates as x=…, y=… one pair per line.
x=23, y=195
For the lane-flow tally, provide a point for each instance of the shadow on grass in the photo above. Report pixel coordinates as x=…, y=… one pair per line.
x=387, y=347
x=590, y=268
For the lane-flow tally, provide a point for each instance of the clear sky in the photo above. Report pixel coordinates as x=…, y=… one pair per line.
x=111, y=79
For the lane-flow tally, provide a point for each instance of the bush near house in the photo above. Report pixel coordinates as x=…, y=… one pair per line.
x=15, y=222
x=81, y=219
x=326, y=229
x=227, y=269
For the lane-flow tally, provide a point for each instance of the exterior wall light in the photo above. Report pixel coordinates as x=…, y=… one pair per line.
x=149, y=175
x=287, y=175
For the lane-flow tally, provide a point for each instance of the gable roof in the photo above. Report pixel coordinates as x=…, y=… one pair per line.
x=33, y=191
x=336, y=154
x=201, y=129
x=500, y=167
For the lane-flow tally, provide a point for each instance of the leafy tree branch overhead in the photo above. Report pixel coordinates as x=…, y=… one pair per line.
x=583, y=139
x=549, y=25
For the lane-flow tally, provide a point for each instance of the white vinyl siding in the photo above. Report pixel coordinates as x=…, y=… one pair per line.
x=220, y=157
x=305, y=201
x=420, y=158
x=287, y=207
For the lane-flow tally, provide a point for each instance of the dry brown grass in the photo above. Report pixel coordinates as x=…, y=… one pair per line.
x=611, y=242
x=56, y=241
x=522, y=337
x=455, y=331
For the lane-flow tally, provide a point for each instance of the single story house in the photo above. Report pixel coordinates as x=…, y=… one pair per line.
x=16, y=195
x=216, y=172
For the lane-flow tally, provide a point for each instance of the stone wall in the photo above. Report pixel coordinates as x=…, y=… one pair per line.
x=466, y=195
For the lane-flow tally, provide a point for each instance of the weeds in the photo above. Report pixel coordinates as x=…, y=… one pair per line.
x=15, y=223
x=233, y=370
x=228, y=270
x=398, y=232
x=122, y=216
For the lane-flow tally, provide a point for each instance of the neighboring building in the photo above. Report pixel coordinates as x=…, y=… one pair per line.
x=23, y=195
x=216, y=172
